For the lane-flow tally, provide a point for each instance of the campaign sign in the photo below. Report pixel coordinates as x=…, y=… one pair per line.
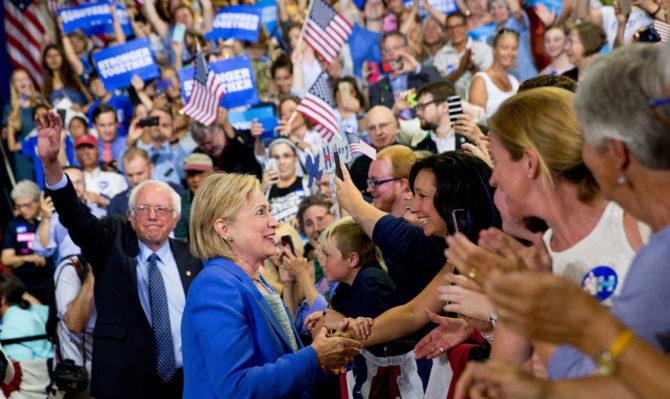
x=269, y=15
x=443, y=6
x=82, y=17
x=241, y=120
x=236, y=76
x=116, y=65
x=555, y=6
x=237, y=22
x=107, y=27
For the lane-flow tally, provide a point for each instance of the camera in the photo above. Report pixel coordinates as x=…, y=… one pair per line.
x=391, y=66
x=70, y=377
x=150, y=121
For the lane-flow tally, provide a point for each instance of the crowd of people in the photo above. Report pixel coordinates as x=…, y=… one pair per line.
x=506, y=239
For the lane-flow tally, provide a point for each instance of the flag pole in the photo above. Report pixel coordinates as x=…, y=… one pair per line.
x=302, y=31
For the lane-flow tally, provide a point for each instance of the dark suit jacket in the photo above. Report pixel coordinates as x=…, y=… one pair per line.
x=123, y=341
x=381, y=93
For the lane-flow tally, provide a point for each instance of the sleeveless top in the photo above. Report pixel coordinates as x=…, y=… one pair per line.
x=599, y=262
x=495, y=96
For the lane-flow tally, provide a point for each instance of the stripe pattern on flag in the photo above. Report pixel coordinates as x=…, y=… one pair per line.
x=326, y=30
x=663, y=30
x=318, y=106
x=356, y=145
x=203, y=103
x=25, y=29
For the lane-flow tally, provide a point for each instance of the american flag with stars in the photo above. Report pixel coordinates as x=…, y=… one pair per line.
x=356, y=145
x=326, y=30
x=203, y=103
x=318, y=106
x=25, y=29
x=663, y=30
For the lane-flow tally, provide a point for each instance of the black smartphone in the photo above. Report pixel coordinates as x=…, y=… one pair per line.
x=150, y=121
x=455, y=109
x=338, y=169
x=61, y=113
x=287, y=242
x=460, y=220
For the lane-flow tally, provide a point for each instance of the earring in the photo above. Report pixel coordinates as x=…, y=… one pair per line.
x=621, y=180
x=230, y=238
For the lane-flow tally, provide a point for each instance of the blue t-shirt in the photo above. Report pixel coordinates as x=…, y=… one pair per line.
x=364, y=46
x=29, y=148
x=640, y=307
x=124, y=112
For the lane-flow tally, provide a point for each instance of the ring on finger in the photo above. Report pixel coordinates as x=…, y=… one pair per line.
x=441, y=349
x=472, y=274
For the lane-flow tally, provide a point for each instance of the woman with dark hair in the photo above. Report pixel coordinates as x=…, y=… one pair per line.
x=60, y=81
x=444, y=186
x=582, y=45
x=297, y=129
x=350, y=102
x=22, y=316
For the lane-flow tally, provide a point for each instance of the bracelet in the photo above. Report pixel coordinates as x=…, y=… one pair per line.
x=653, y=14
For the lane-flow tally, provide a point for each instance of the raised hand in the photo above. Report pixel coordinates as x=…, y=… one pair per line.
x=347, y=193
x=49, y=126
x=465, y=302
x=449, y=333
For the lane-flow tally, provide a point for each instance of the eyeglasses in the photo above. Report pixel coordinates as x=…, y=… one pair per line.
x=452, y=27
x=421, y=107
x=159, y=209
x=26, y=205
x=658, y=102
x=389, y=49
x=373, y=184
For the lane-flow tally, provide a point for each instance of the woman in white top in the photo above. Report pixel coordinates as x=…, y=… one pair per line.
x=490, y=88
x=554, y=47
x=536, y=145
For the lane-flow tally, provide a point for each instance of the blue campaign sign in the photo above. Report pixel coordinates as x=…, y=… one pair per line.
x=443, y=6
x=107, y=27
x=241, y=120
x=236, y=76
x=269, y=15
x=116, y=65
x=81, y=17
x=555, y=6
x=237, y=22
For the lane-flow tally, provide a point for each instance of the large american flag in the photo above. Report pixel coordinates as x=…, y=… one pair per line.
x=318, y=106
x=25, y=30
x=203, y=103
x=326, y=30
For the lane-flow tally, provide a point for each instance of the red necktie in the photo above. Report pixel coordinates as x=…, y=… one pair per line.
x=107, y=152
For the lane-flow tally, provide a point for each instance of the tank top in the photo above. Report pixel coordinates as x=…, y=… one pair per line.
x=495, y=96
x=599, y=262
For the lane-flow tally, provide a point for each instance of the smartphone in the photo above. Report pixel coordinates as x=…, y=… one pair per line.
x=272, y=163
x=390, y=66
x=287, y=242
x=374, y=74
x=345, y=89
x=178, y=33
x=150, y=121
x=411, y=99
x=455, y=110
x=460, y=219
x=338, y=169
x=61, y=113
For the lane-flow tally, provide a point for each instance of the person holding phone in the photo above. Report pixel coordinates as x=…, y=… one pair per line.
x=403, y=72
x=350, y=102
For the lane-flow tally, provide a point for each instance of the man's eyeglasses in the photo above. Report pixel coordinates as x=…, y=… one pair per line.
x=452, y=27
x=389, y=49
x=421, y=107
x=159, y=209
x=373, y=184
x=653, y=106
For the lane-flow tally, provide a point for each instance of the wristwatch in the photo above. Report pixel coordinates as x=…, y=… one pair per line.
x=493, y=317
x=607, y=360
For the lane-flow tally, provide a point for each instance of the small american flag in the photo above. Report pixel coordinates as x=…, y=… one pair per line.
x=203, y=103
x=324, y=286
x=663, y=30
x=318, y=106
x=326, y=30
x=356, y=145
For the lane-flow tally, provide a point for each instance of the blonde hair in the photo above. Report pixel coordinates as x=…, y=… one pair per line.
x=14, y=98
x=220, y=196
x=350, y=237
x=544, y=120
x=270, y=268
x=402, y=159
